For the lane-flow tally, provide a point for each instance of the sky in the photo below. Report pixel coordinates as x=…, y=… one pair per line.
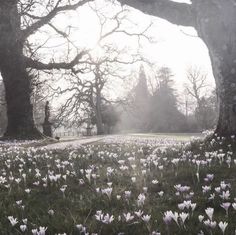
x=174, y=46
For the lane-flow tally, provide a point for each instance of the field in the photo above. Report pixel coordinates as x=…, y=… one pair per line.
x=120, y=185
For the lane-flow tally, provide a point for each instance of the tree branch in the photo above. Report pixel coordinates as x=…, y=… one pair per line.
x=176, y=13
x=47, y=18
x=30, y=63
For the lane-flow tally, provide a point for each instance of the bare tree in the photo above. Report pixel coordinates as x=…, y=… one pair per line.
x=196, y=86
x=20, y=20
x=85, y=91
x=214, y=21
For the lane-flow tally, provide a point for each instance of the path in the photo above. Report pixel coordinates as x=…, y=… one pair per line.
x=74, y=143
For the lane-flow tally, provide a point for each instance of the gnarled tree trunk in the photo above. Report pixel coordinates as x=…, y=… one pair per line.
x=15, y=77
x=215, y=24
x=214, y=21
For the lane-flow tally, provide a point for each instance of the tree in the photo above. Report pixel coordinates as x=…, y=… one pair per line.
x=96, y=97
x=214, y=21
x=164, y=115
x=196, y=87
x=110, y=117
x=19, y=20
x=206, y=115
x=106, y=64
x=140, y=104
x=196, y=84
x=153, y=107
x=87, y=95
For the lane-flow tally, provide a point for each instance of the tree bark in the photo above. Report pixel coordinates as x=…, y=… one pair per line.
x=216, y=26
x=214, y=21
x=16, y=79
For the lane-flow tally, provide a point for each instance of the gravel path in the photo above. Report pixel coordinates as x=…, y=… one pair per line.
x=74, y=143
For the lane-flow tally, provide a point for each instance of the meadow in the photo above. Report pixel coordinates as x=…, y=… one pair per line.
x=121, y=185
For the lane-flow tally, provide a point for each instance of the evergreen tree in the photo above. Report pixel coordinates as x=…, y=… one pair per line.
x=141, y=101
x=165, y=116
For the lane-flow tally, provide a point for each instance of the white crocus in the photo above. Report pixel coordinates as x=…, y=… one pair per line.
x=128, y=217
x=200, y=218
x=34, y=231
x=23, y=227
x=107, y=191
x=12, y=220
x=209, y=211
x=223, y=226
x=183, y=216
x=234, y=205
x=146, y=218
x=107, y=219
x=138, y=213
x=209, y=223
x=42, y=230
x=141, y=199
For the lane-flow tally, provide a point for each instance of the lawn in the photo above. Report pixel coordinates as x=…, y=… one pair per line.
x=120, y=185
x=173, y=136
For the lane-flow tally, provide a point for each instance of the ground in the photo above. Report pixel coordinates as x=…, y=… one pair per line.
x=122, y=184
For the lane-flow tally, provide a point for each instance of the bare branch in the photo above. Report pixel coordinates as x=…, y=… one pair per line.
x=30, y=63
x=63, y=34
x=41, y=21
x=196, y=83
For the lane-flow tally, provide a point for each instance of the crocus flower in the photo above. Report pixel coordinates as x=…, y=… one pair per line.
x=23, y=227
x=210, y=223
x=200, y=218
x=141, y=199
x=183, y=216
x=12, y=220
x=223, y=226
x=226, y=206
x=146, y=218
x=209, y=211
x=42, y=230
x=128, y=217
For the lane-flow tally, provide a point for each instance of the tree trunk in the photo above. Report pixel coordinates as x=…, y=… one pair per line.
x=15, y=77
x=216, y=26
x=226, y=89
x=47, y=125
x=99, y=124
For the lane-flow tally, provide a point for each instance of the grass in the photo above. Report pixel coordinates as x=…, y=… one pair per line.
x=67, y=188
x=174, y=136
